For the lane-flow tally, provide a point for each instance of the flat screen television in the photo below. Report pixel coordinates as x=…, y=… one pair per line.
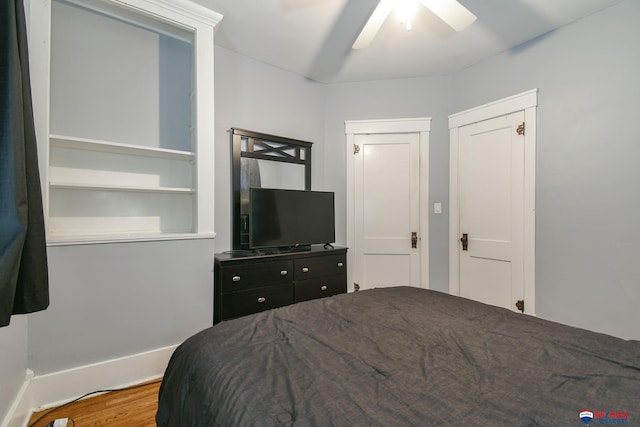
x=290, y=218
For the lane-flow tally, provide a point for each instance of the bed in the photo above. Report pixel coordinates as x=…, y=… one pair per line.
x=399, y=357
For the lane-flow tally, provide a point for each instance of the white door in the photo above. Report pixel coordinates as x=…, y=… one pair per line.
x=491, y=210
x=386, y=251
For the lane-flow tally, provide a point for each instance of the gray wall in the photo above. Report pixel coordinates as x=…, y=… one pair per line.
x=118, y=299
x=587, y=201
x=13, y=361
x=254, y=96
x=421, y=97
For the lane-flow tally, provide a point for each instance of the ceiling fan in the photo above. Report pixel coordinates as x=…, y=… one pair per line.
x=453, y=13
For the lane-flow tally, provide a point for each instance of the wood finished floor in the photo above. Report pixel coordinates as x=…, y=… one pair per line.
x=135, y=407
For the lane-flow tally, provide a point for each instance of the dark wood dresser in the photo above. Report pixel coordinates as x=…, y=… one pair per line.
x=247, y=283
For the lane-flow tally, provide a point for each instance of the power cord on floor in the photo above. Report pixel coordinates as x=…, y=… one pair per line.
x=62, y=422
x=107, y=390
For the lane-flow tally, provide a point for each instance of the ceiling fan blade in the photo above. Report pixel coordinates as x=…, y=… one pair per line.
x=337, y=47
x=453, y=13
x=374, y=23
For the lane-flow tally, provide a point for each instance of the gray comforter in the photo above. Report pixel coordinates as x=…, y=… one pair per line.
x=398, y=357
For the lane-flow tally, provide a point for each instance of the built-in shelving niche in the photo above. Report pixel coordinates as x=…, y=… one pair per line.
x=130, y=118
x=106, y=188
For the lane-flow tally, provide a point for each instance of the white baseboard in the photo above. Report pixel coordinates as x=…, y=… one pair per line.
x=20, y=411
x=59, y=387
x=50, y=390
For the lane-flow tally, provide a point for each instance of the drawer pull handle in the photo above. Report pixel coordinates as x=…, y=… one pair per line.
x=340, y=264
x=305, y=269
x=236, y=278
x=284, y=272
x=323, y=288
x=261, y=299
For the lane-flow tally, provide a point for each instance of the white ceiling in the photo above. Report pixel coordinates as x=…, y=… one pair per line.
x=313, y=38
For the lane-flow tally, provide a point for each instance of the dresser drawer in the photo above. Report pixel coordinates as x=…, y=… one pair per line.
x=242, y=303
x=321, y=287
x=319, y=266
x=242, y=276
x=248, y=282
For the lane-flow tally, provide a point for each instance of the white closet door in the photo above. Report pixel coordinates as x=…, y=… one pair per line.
x=491, y=184
x=387, y=208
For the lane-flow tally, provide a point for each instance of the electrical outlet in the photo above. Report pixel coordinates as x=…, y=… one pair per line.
x=60, y=422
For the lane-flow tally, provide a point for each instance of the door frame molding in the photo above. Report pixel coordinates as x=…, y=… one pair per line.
x=419, y=125
x=527, y=102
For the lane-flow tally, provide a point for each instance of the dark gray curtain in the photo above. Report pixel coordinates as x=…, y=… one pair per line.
x=24, y=284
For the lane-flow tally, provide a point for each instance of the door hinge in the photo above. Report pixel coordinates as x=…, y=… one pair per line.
x=520, y=129
x=520, y=305
x=356, y=287
x=356, y=149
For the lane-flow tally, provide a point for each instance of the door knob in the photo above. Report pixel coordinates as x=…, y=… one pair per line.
x=465, y=241
x=414, y=239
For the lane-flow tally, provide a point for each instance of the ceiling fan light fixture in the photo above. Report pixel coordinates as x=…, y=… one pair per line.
x=374, y=23
x=406, y=10
x=453, y=13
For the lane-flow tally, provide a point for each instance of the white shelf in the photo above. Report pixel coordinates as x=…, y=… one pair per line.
x=84, y=239
x=75, y=143
x=94, y=187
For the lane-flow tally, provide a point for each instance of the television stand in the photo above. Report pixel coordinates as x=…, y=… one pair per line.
x=246, y=282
